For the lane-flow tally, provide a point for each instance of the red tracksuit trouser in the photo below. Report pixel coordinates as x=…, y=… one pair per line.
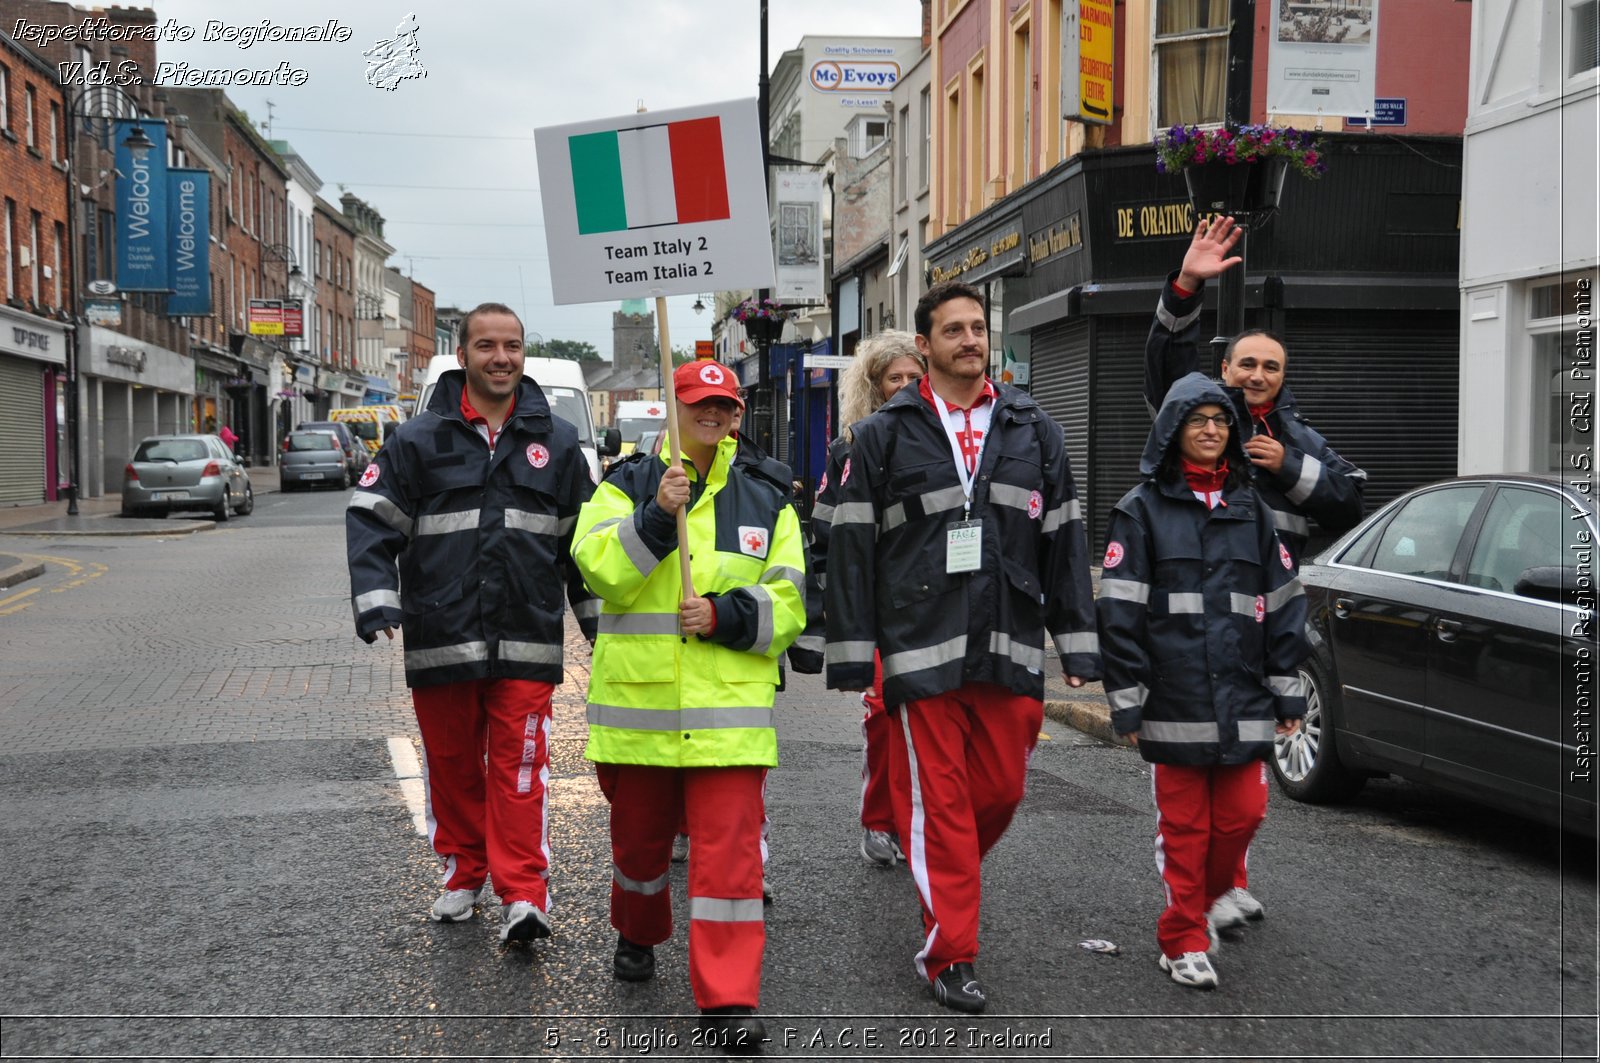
x=959, y=764
x=877, y=806
x=1205, y=818
x=723, y=810
x=486, y=774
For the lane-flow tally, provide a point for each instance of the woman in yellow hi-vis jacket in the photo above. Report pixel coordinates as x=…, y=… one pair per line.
x=681, y=691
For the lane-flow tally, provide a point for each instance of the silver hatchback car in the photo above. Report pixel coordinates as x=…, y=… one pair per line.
x=184, y=472
x=313, y=458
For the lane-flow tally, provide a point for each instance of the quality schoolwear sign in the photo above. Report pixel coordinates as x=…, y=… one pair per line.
x=655, y=204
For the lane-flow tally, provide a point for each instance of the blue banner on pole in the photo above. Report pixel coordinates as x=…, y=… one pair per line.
x=189, y=214
x=142, y=260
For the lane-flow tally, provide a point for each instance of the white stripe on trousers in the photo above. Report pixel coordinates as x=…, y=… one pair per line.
x=917, y=851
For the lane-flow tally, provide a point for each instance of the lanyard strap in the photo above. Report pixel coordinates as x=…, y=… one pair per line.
x=965, y=474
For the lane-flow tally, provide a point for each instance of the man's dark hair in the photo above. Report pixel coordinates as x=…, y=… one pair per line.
x=484, y=308
x=937, y=296
x=1227, y=355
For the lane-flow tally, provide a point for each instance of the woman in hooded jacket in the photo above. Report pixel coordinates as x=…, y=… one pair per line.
x=884, y=363
x=1201, y=628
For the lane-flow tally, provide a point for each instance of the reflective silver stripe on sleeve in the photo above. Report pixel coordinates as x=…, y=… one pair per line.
x=893, y=517
x=1284, y=595
x=849, y=652
x=720, y=910
x=810, y=643
x=1169, y=731
x=1257, y=731
x=530, y=652
x=586, y=608
x=1170, y=321
x=1077, y=642
x=763, y=600
x=376, y=599
x=1065, y=513
x=1125, y=590
x=852, y=513
x=445, y=523
x=1185, y=603
x=384, y=509
x=946, y=498
x=440, y=656
x=634, y=547
x=822, y=513
x=638, y=623
x=621, y=716
x=538, y=523
x=1004, y=645
x=1292, y=523
x=795, y=577
x=1243, y=604
x=1008, y=495
x=1310, y=473
x=633, y=885
x=1128, y=697
x=908, y=661
x=1286, y=686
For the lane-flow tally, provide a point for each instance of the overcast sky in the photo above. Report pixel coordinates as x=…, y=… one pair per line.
x=449, y=159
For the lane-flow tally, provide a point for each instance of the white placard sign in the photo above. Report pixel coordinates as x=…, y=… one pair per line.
x=798, y=196
x=655, y=204
x=1323, y=58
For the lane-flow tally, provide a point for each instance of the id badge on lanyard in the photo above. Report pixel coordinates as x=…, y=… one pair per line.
x=963, y=543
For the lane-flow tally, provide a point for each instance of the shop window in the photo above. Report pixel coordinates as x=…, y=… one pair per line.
x=1563, y=369
x=1190, y=67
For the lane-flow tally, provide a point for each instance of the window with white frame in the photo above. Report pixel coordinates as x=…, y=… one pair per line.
x=5, y=96
x=1563, y=367
x=11, y=248
x=1584, y=35
x=926, y=105
x=1190, y=67
x=30, y=107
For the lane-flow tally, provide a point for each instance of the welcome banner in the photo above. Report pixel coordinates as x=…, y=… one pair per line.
x=143, y=264
x=189, y=242
x=655, y=204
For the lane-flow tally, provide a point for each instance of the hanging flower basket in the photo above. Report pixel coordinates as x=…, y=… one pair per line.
x=1220, y=188
x=764, y=329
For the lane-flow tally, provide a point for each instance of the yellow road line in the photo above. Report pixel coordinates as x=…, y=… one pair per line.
x=18, y=598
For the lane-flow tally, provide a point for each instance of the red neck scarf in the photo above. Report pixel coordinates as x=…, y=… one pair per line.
x=1258, y=414
x=1206, y=481
x=925, y=388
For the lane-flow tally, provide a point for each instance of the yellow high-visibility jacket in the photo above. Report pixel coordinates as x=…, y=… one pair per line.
x=655, y=696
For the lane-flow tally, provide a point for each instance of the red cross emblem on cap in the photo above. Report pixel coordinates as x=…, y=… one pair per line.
x=711, y=373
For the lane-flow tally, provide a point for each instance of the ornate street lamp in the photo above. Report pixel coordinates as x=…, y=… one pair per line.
x=94, y=109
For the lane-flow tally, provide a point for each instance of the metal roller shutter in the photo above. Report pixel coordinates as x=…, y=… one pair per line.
x=1121, y=418
x=22, y=429
x=1060, y=383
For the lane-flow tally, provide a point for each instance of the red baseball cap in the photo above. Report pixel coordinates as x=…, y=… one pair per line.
x=703, y=379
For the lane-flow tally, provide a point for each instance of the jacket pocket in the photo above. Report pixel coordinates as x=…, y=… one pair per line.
x=422, y=593
x=638, y=659
x=1027, y=596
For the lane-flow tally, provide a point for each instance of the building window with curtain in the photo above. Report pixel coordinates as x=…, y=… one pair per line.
x=1561, y=334
x=1190, y=67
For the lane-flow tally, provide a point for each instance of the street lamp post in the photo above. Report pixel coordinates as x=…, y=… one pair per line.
x=109, y=102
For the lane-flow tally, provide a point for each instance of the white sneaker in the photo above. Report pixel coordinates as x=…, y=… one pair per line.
x=1225, y=914
x=523, y=922
x=453, y=906
x=1192, y=969
x=680, y=848
x=878, y=847
x=1248, y=905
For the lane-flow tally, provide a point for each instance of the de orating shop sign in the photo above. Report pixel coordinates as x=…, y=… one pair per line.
x=142, y=237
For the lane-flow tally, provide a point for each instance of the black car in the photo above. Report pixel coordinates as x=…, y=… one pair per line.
x=1453, y=642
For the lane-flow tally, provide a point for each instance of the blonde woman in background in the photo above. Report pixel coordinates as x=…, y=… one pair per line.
x=884, y=363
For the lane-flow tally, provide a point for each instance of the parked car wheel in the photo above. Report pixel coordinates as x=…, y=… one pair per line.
x=248, y=506
x=1307, y=763
x=344, y=480
x=220, y=514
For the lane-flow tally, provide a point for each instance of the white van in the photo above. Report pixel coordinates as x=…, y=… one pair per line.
x=561, y=380
x=635, y=417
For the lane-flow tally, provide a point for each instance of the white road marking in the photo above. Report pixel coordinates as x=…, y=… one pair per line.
x=408, y=769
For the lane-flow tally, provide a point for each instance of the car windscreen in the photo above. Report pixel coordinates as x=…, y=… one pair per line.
x=171, y=450
x=364, y=429
x=634, y=427
x=570, y=405
x=313, y=441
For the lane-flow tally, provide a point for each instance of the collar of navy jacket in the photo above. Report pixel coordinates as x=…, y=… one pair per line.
x=532, y=409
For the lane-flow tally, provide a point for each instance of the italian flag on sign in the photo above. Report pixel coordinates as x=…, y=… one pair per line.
x=660, y=174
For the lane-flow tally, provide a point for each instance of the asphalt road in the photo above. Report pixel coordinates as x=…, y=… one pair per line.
x=209, y=853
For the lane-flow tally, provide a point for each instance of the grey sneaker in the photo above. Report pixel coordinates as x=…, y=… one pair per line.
x=453, y=906
x=878, y=847
x=523, y=922
x=1225, y=914
x=1248, y=905
x=680, y=848
x=1192, y=969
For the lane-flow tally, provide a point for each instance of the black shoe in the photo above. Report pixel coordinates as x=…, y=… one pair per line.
x=736, y=1029
x=957, y=988
x=633, y=963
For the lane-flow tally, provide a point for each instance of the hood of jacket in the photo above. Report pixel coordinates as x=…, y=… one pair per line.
x=1187, y=392
x=531, y=403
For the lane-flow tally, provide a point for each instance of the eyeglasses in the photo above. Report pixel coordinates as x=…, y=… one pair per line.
x=1198, y=420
